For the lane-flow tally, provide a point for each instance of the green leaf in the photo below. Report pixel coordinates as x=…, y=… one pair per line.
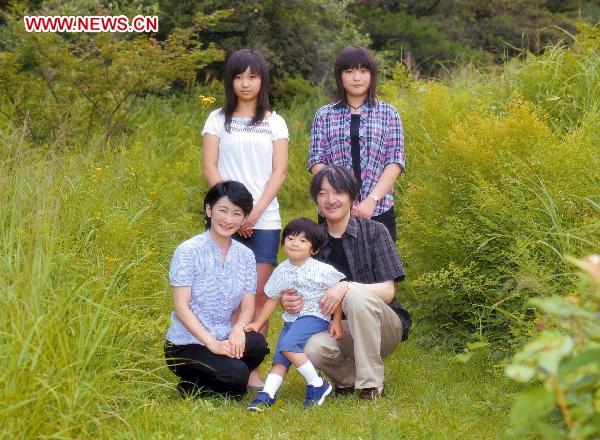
x=550, y=432
x=464, y=357
x=520, y=373
x=582, y=359
x=531, y=406
x=559, y=306
x=472, y=346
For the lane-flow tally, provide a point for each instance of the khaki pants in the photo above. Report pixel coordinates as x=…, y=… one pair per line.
x=372, y=332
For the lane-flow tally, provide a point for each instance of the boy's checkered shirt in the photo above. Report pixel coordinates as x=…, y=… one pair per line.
x=310, y=280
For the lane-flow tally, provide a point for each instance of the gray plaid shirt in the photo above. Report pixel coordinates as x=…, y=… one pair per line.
x=371, y=254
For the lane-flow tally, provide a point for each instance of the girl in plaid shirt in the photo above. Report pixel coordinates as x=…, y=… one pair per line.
x=361, y=134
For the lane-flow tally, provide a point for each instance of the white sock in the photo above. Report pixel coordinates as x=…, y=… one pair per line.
x=310, y=374
x=272, y=384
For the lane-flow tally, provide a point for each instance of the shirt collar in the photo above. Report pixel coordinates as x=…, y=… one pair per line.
x=346, y=107
x=351, y=229
x=214, y=246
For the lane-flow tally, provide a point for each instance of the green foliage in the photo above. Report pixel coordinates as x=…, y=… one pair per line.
x=291, y=91
x=563, y=364
x=564, y=84
x=399, y=35
x=496, y=192
x=298, y=38
x=62, y=88
x=431, y=34
x=86, y=237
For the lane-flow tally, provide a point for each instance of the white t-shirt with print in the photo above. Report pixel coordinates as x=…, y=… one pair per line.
x=245, y=155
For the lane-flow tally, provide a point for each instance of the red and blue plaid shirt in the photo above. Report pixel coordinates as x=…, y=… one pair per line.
x=381, y=143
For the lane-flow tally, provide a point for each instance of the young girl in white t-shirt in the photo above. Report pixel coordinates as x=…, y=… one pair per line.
x=247, y=142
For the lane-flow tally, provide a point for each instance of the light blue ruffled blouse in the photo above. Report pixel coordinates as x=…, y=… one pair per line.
x=217, y=289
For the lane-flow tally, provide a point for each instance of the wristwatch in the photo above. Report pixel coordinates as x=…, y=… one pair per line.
x=374, y=197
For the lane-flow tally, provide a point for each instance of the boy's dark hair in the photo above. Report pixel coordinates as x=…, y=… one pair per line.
x=340, y=178
x=312, y=231
x=236, y=192
x=237, y=63
x=352, y=57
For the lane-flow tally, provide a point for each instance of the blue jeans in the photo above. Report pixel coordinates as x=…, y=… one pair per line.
x=294, y=335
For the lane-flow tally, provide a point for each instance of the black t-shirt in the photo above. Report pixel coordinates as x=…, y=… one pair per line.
x=337, y=257
x=355, y=146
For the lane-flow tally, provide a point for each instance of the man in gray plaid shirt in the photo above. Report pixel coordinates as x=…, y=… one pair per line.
x=363, y=251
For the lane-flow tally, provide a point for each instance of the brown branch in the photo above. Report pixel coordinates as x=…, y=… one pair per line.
x=560, y=400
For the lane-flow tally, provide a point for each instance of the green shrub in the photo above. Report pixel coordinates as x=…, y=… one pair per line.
x=562, y=364
x=63, y=88
x=495, y=194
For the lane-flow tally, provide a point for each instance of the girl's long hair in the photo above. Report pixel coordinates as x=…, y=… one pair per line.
x=237, y=63
x=352, y=57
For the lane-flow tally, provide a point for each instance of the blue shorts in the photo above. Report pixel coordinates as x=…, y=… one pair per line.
x=264, y=243
x=294, y=335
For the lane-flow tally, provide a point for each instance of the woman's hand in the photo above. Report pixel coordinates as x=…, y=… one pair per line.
x=237, y=341
x=246, y=228
x=291, y=301
x=333, y=297
x=222, y=348
x=365, y=208
x=335, y=330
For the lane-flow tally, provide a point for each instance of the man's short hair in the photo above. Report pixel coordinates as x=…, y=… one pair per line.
x=311, y=230
x=340, y=178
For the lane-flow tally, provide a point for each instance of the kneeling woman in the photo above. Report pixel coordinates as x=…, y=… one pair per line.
x=212, y=277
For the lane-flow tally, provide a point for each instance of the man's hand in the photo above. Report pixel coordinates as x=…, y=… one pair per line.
x=335, y=330
x=332, y=297
x=291, y=301
x=365, y=208
x=237, y=341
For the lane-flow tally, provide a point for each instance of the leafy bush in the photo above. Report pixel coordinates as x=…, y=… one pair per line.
x=562, y=364
x=496, y=192
x=63, y=88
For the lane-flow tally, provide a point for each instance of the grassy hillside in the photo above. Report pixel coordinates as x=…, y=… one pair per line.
x=502, y=182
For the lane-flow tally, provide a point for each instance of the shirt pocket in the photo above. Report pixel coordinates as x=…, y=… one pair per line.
x=364, y=273
x=376, y=138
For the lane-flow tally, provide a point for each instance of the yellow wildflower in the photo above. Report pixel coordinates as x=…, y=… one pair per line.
x=206, y=101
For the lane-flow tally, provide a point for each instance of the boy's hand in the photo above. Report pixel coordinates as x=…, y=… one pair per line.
x=335, y=330
x=291, y=301
x=252, y=327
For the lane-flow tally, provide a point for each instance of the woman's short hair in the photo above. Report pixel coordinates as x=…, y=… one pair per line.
x=352, y=57
x=236, y=192
x=312, y=231
x=340, y=178
x=237, y=63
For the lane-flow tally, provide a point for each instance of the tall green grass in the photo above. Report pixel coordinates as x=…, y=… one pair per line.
x=502, y=183
x=87, y=237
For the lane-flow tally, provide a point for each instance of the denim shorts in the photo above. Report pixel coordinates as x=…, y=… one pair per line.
x=264, y=243
x=294, y=335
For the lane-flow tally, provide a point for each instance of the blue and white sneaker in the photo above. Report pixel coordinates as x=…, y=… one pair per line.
x=316, y=395
x=261, y=402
